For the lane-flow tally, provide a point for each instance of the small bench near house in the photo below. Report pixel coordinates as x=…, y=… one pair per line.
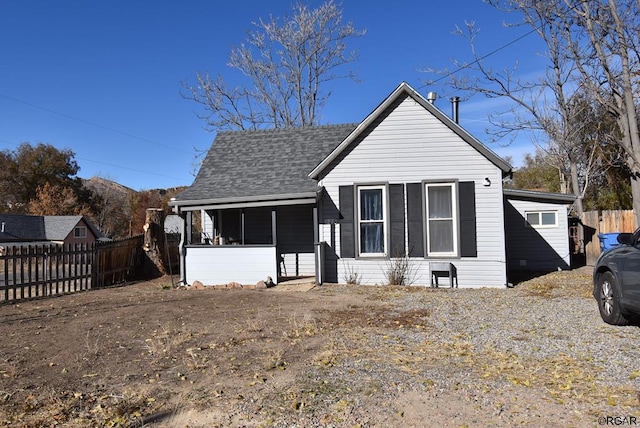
x=445, y=269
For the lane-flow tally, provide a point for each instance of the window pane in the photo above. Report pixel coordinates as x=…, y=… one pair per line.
x=440, y=202
x=371, y=204
x=533, y=218
x=441, y=236
x=549, y=219
x=372, y=238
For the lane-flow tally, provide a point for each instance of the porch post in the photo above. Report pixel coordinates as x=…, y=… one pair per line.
x=274, y=241
x=317, y=251
x=182, y=251
x=242, y=226
x=188, y=227
x=273, y=226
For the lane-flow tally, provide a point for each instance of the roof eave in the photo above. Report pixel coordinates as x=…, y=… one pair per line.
x=565, y=198
x=404, y=87
x=243, y=199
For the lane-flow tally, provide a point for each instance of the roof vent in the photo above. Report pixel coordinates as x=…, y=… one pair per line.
x=455, y=102
x=431, y=97
x=2, y=227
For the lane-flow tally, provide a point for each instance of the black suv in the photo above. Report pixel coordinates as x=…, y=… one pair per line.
x=616, y=281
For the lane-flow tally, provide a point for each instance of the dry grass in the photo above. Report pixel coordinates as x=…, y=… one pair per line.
x=560, y=284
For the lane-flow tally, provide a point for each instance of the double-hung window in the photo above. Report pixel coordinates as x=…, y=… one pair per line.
x=372, y=220
x=542, y=218
x=80, y=232
x=441, y=219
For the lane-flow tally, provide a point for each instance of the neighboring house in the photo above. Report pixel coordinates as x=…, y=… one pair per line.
x=17, y=229
x=21, y=228
x=71, y=230
x=333, y=201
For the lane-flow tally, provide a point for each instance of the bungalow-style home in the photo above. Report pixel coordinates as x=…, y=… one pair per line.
x=22, y=229
x=346, y=202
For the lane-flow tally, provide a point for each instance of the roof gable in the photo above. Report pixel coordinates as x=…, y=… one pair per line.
x=402, y=91
x=246, y=165
x=59, y=227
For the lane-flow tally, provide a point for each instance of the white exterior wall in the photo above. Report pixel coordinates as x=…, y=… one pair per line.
x=408, y=146
x=537, y=248
x=221, y=264
x=206, y=218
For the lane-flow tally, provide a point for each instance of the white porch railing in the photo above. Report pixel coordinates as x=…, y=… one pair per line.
x=221, y=264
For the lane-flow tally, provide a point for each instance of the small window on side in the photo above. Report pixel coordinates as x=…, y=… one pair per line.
x=542, y=219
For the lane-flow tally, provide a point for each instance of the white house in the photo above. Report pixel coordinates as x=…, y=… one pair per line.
x=407, y=183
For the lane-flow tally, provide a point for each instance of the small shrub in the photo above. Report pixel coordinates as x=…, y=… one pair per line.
x=400, y=271
x=351, y=276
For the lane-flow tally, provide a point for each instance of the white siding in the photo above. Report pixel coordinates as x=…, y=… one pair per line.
x=215, y=265
x=411, y=145
x=536, y=248
x=208, y=232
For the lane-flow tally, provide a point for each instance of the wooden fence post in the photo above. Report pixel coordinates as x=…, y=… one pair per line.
x=154, y=243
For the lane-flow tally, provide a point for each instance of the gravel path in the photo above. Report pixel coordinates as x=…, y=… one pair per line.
x=538, y=354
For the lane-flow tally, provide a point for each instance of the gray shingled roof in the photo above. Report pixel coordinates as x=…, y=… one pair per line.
x=22, y=228
x=242, y=164
x=16, y=227
x=59, y=227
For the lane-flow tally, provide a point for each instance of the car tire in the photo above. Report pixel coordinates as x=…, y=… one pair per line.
x=609, y=300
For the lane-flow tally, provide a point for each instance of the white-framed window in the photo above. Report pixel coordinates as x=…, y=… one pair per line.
x=442, y=219
x=540, y=219
x=372, y=220
x=80, y=232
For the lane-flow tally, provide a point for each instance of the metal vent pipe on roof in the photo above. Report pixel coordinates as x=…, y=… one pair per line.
x=455, y=102
x=431, y=97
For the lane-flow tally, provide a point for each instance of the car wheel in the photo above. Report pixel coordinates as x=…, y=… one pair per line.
x=609, y=300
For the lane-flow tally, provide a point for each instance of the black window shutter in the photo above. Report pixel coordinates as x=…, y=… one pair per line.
x=467, y=204
x=347, y=235
x=415, y=222
x=396, y=217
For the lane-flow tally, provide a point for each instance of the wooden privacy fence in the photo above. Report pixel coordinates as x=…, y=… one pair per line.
x=29, y=271
x=118, y=261
x=598, y=222
x=44, y=270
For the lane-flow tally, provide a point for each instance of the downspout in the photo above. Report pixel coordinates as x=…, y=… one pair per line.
x=182, y=252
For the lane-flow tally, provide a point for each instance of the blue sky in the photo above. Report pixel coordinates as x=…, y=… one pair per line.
x=103, y=78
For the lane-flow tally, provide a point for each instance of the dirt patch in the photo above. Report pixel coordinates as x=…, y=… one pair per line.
x=146, y=354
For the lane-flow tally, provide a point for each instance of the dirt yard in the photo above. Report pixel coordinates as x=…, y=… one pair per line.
x=334, y=356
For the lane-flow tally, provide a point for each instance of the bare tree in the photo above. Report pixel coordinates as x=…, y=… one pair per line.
x=540, y=107
x=287, y=64
x=603, y=38
x=593, y=46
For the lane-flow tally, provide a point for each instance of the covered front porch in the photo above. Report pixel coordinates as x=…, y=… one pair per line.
x=250, y=241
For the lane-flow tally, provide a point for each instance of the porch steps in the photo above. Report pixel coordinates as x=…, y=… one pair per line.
x=297, y=284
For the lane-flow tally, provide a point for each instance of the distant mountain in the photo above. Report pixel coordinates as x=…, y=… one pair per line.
x=102, y=185
x=120, y=210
